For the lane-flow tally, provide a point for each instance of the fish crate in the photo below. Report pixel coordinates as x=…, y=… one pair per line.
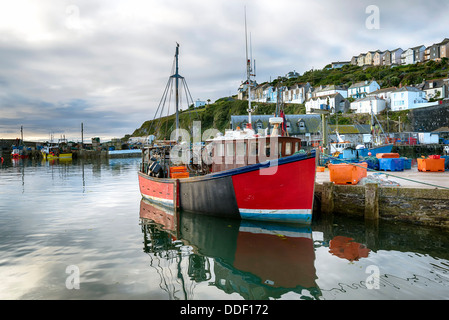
x=432, y=165
x=343, y=174
x=178, y=172
x=407, y=163
x=178, y=169
x=387, y=155
x=179, y=175
x=391, y=164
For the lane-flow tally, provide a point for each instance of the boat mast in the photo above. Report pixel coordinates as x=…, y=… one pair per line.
x=177, y=77
x=248, y=76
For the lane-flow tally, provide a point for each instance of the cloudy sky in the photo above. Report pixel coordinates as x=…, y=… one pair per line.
x=106, y=63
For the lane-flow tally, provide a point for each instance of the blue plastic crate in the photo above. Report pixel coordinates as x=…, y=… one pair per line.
x=407, y=163
x=446, y=161
x=391, y=164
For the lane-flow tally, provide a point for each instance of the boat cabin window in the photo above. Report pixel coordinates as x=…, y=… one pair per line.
x=296, y=147
x=230, y=149
x=288, y=148
x=219, y=147
x=253, y=149
x=240, y=148
x=267, y=151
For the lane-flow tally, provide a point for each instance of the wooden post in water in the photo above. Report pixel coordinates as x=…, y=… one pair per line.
x=371, y=201
x=327, y=198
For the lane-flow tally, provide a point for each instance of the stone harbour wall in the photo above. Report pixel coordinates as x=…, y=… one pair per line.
x=426, y=206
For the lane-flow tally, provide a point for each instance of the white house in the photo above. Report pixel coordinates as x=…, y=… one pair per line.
x=407, y=57
x=334, y=103
x=199, y=103
x=435, y=89
x=413, y=55
x=384, y=94
x=409, y=98
x=296, y=93
x=370, y=104
x=331, y=89
x=361, y=89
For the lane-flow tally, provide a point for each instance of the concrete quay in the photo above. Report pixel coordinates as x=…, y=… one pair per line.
x=410, y=201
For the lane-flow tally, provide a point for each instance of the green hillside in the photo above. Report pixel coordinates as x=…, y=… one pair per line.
x=216, y=115
x=386, y=76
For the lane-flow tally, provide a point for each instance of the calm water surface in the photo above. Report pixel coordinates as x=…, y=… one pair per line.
x=60, y=220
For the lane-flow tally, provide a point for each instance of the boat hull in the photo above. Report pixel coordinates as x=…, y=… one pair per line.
x=375, y=150
x=276, y=190
x=62, y=156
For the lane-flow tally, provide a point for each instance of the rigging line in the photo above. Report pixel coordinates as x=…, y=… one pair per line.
x=388, y=174
x=159, y=106
x=189, y=95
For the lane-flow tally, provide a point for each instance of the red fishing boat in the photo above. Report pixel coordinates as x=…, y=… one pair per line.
x=239, y=174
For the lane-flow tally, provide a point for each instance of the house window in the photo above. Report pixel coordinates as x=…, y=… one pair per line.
x=301, y=125
x=259, y=125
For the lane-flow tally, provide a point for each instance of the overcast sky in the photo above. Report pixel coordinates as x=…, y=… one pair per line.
x=106, y=63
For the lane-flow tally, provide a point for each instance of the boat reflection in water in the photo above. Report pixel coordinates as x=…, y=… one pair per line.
x=257, y=260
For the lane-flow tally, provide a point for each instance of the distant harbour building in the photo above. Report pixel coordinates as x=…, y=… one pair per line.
x=199, y=103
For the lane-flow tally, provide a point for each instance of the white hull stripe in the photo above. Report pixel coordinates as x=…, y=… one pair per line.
x=276, y=211
x=159, y=200
x=285, y=215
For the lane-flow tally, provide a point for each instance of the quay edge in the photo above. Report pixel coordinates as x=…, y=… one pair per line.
x=422, y=206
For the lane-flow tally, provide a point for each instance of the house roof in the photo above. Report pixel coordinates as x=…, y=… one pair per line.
x=442, y=129
x=333, y=95
x=408, y=88
x=361, y=84
x=348, y=129
x=369, y=98
x=418, y=47
x=437, y=83
x=391, y=89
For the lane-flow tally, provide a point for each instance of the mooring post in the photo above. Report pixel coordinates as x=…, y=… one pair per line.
x=327, y=197
x=371, y=201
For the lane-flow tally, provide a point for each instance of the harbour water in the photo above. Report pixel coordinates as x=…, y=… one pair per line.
x=79, y=230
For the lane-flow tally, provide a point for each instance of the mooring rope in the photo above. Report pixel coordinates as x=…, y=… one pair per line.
x=382, y=172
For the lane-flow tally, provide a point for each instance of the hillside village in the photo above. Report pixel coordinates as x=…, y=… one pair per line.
x=408, y=92
x=365, y=96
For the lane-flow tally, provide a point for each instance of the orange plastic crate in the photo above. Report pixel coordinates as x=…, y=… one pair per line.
x=178, y=169
x=387, y=155
x=179, y=175
x=347, y=173
x=433, y=165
